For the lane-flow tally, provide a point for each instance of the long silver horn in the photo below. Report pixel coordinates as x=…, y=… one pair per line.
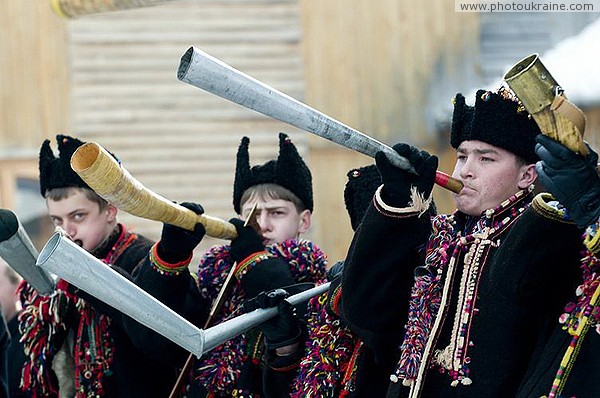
x=214, y=76
x=18, y=251
x=78, y=267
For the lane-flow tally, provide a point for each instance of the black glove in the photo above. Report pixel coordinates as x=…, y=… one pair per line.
x=269, y=273
x=571, y=178
x=177, y=244
x=283, y=329
x=246, y=243
x=397, y=182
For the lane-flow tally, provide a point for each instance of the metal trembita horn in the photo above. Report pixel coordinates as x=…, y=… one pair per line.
x=20, y=254
x=78, y=267
x=208, y=73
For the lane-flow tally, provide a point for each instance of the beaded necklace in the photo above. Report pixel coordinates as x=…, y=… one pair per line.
x=579, y=318
x=454, y=357
x=432, y=291
x=326, y=369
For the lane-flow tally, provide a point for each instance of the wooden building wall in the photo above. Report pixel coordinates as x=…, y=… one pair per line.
x=34, y=78
x=34, y=99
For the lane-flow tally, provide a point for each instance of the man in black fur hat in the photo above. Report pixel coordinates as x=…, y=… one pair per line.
x=76, y=346
x=452, y=305
x=263, y=361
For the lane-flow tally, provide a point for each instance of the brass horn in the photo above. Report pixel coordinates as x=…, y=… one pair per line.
x=78, y=267
x=109, y=179
x=18, y=251
x=545, y=100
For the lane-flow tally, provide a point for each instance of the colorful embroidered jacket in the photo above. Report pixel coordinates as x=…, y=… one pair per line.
x=106, y=364
x=456, y=304
x=566, y=364
x=240, y=366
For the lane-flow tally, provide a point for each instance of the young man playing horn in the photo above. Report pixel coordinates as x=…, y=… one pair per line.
x=76, y=347
x=452, y=305
x=262, y=361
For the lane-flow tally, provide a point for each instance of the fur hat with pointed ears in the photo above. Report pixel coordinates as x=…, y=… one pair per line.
x=56, y=172
x=288, y=170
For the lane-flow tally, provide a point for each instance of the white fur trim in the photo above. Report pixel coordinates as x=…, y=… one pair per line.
x=418, y=204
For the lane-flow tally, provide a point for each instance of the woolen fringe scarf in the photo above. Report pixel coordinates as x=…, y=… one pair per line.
x=219, y=370
x=425, y=298
x=44, y=324
x=329, y=349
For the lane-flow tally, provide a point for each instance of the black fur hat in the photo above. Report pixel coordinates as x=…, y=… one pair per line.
x=497, y=119
x=56, y=172
x=359, y=190
x=288, y=170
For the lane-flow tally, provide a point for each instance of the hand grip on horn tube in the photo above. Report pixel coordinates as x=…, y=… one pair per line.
x=101, y=171
x=441, y=179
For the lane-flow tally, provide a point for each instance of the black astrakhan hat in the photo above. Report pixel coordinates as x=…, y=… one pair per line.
x=288, y=170
x=359, y=190
x=56, y=172
x=497, y=119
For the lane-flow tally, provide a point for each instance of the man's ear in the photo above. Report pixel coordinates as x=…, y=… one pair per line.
x=305, y=220
x=528, y=176
x=111, y=212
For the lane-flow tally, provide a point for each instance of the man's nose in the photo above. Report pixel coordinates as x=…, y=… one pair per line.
x=70, y=228
x=263, y=221
x=466, y=169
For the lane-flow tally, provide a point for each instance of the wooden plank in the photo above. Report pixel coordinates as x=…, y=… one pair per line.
x=33, y=83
